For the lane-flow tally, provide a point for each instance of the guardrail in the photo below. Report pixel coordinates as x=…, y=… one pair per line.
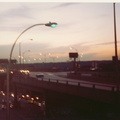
x=86, y=84
x=101, y=92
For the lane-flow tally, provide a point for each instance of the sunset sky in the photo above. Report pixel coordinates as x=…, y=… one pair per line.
x=86, y=27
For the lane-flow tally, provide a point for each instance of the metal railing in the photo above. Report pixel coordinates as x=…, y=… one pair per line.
x=86, y=84
x=100, y=86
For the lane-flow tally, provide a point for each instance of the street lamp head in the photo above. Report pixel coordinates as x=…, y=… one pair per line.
x=51, y=24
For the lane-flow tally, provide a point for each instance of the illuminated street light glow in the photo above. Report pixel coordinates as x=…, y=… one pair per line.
x=73, y=48
x=23, y=96
x=37, y=98
x=45, y=55
x=27, y=96
x=32, y=99
x=12, y=95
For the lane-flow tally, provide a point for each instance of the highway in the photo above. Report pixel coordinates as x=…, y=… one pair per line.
x=58, y=81
x=61, y=77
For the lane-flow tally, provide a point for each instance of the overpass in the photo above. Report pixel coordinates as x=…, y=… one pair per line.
x=58, y=93
x=100, y=92
x=61, y=92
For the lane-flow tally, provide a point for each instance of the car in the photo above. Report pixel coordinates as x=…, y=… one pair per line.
x=25, y=71
x=3, y=104
x=39, y=75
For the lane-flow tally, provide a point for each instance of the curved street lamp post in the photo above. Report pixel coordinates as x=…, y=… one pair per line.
x=50, y=24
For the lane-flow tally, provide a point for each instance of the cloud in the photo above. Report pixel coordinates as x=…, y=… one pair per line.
x=106, y=43
x=65, y=5
x=13, y=15
x=12, y=12
x=4, y=51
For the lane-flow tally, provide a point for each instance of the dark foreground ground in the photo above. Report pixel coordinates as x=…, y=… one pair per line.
x=27, y=111
x=87, y=110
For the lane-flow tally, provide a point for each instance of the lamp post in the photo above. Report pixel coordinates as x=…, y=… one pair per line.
x=50, y=24
x=24, y=54
x=115, y=34
x=115, y=42
x=24, y=59
x=20, y=51
x=45, y=56
x=54, y=58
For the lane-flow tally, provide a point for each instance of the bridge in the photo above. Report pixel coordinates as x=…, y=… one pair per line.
x=61, y=91
x=95, y=91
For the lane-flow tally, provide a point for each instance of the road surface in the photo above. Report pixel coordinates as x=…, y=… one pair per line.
x=61, y=77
